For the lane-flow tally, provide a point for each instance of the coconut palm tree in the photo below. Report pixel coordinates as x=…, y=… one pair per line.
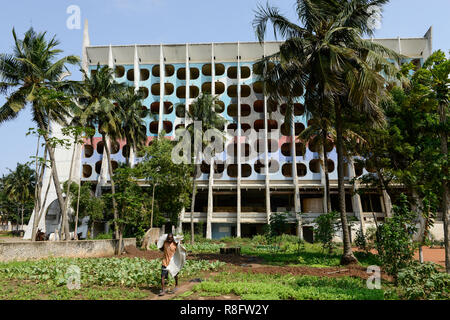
x=204, y=110
x=133, y=126
x=32, y=68
x=96, y=98
x=19, y=186
x=327, y=55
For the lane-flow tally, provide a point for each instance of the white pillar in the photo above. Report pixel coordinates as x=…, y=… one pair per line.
x=297, y=204
x=211, y=166
x=266, y=149
x=238, y=213
x=356, y=199
x=162, y=71
x=323, y=181
x=137, y=78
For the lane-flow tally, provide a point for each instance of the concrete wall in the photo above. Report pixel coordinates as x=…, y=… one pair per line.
x=15, y=251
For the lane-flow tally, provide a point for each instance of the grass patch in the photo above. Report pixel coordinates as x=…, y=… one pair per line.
x=287, y=287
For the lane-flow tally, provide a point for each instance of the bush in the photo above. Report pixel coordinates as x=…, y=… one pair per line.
x=361, y=241
x=422, y=281
x=326, y=228
x=394, y=238
x=104, y=236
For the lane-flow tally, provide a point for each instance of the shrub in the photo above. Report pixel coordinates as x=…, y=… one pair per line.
x=361, y=241
x=104, y=236
x=422, y=281
x=394, y=238
x=326, y=228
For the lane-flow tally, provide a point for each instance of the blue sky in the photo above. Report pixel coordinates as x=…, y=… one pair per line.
x=173, y=21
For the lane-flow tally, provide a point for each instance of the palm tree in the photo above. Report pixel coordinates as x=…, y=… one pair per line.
x=133, y=126
x=328, y=56
x=319, y=133
x=31, y=68
x=19, y=186
x=96, y=96
x=204, y=110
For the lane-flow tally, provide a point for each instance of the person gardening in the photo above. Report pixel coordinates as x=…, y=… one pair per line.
x=174, y=256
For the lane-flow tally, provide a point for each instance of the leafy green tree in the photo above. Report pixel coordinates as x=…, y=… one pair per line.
x=170, y=181
x=433, y=83
x=327, y=225
x=130, y=200
x=328, y=57
x=18, y=190
x=394, y=238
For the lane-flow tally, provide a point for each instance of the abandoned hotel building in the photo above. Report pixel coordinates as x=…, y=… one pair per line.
x=238, y=198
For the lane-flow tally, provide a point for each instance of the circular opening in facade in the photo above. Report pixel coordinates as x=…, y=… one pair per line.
x=154, y=127
x=299, y=109
x=100, y=147
x=167, y=126
x=180, y=111
x=130, y=75
x=145, y=74
x=144, y=92
x=87, y=171
x=126, y=151
x=314, y=166
x=232, y=110
x=271, y=124
x=98, y=166
x=193, y=92
x=115, y=147
x=194, y=73
x=88, y=150
x=219, y=106
x=219, y=69
x=119, y=72
x=169, y=70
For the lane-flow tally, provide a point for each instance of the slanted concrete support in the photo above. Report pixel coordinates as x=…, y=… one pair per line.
x=297, y=204
x=266, y=151
x=356, y=199
x=211, y=165
x=238, y=213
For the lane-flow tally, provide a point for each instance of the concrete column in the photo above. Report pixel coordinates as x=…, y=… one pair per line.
x=188, y=79
x=137, y=78
x=297, y=204
x=162, y=71
x=180, y=222
x=238, y=213
x=323, y=181
x=356, y=199
x=211, y=165
x=266, y=150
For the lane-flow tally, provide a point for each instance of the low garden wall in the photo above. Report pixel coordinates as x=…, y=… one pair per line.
x=15, y=251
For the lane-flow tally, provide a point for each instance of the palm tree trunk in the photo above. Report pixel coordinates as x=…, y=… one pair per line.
x=76, y=214
x=37, y=189
x=153, y=206
x=193, y=202
x=327, y=176
x=445, y=196
x=347, y=256
x=113, y=189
